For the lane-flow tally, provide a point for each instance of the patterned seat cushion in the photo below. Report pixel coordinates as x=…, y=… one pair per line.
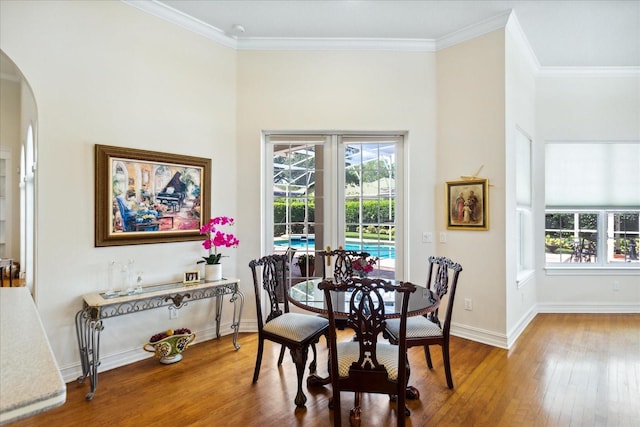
x=417, y=326
x=349, y=352
x=295, y=326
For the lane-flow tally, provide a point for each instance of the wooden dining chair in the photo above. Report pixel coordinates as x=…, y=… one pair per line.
x=295, y=331
x=367, y=364
x=342, y=260
x=428, y=330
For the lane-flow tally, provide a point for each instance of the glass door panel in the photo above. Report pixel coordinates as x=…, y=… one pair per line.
x=332, y=191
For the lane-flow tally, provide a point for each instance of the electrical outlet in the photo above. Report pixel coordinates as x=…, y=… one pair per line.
x=443, y=237
x=173, y=313
x=616, y=285
x=468, y=305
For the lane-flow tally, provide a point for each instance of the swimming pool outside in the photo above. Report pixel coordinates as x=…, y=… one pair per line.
x=380, y=250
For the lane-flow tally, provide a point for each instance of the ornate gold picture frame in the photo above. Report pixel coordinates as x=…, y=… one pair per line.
x=467, y=204
x=149, y=197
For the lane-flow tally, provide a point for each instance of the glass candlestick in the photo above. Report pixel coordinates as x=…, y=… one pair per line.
x=138, y=289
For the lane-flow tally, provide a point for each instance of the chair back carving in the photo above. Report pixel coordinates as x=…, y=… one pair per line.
x=438, y=281
x=271, y=278
x=366, y=316
x=342, y=263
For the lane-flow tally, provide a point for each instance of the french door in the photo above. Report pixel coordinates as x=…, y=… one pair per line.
x=325, y=191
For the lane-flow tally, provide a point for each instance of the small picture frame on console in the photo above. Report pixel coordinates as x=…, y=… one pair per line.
x=191, y=277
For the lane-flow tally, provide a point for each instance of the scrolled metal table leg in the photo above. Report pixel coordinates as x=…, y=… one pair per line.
x=88, y=335
x=218, y=314
x=237, y=295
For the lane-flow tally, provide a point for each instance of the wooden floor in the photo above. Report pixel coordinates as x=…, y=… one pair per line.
x=565, y=370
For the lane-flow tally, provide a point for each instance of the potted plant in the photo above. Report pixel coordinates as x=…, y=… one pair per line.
x=215, y=239
x=306, y=263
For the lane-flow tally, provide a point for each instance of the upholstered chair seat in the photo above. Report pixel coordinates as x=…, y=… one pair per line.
x=349, y=352
x=295, y=326
x=417, y=326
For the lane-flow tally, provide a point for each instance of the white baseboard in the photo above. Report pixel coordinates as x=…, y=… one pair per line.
x=123, y=358
x=480, y=335
x=588, y=308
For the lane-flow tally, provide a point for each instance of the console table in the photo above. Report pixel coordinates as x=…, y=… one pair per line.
x=102, y=305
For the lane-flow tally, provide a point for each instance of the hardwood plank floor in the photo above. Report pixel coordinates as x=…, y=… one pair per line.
x=565, y=370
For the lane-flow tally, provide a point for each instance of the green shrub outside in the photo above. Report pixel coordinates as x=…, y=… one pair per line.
x=373, y=211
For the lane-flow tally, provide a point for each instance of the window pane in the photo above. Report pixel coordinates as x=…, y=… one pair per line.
x=370, y=172
x=558, y=237
x=624, y=241
x=571, y=237
x=294, y=200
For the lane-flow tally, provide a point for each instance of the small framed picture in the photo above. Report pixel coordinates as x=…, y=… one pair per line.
x=467, y=204
x=191, y=277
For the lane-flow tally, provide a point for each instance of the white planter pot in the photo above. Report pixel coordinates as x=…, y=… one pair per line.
x=212, y=272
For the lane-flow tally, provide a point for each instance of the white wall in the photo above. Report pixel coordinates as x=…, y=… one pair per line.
x=520, y=94
x=587, y=108
x=471, y=133
x=107, y=73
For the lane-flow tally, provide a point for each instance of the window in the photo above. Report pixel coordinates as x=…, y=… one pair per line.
x=334, y=191
x=524, y=220
x=599, y=237
x=593, y=204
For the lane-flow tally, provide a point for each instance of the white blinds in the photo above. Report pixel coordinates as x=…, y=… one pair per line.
x=593, y=174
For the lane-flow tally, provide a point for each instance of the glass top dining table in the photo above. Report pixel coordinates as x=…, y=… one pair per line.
x=307, y=296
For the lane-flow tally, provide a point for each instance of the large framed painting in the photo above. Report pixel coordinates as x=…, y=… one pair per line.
x=467, y=204
x=149, y=197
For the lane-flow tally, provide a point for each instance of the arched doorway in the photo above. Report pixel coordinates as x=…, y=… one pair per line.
x=18, y=147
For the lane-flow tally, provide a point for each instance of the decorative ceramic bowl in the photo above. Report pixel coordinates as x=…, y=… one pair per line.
x=169, y=349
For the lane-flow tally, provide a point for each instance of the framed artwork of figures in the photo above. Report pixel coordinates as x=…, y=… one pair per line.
x=149, y=197
x=467, y=204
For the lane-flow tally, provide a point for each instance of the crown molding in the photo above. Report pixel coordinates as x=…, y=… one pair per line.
x=176, y=17
x=472, y=31
x=589, y=72
x=507, y=20
x=398, y=45
x=519, y=37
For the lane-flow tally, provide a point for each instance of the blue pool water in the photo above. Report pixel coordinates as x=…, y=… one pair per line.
x=381, y=251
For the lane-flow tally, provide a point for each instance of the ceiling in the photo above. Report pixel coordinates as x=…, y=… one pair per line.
x=568, y=33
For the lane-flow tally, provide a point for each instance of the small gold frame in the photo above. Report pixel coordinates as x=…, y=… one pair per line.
x=191, y=277
x=467, y=204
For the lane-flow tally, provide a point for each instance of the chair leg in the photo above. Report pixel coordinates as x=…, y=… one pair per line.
x=256, y=371
x=427, y=356
x=355, y=412
x=281, y=357
x=401, y=410
x=312, y=365
x=334, y=405
x=299, y=356
x=447, y=364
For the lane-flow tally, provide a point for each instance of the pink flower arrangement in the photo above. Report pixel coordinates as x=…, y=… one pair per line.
x=216, y=239
x=364, y=266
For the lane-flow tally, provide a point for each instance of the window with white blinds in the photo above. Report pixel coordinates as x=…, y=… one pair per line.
x=595, y=174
